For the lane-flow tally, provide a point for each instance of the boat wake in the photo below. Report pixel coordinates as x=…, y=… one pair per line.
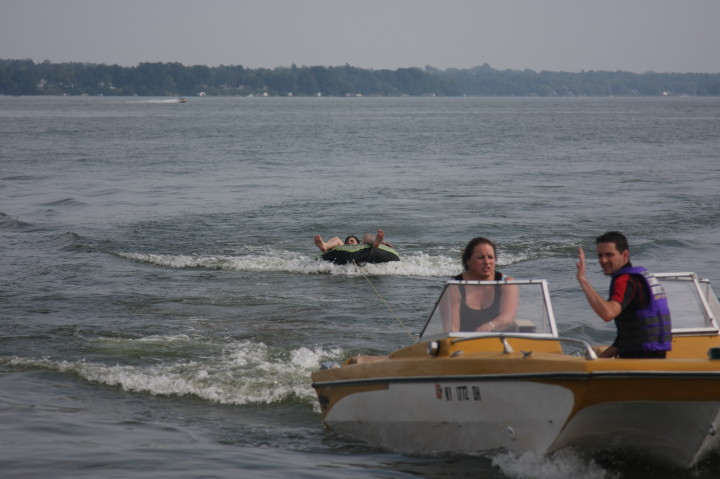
x=160, y=101
x=421, y=265
x=565, y=464
x=236, y=372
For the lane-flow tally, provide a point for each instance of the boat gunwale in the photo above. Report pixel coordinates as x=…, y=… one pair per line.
x=572, y=375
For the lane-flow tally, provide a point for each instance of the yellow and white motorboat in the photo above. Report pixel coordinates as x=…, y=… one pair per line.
x=527, y=389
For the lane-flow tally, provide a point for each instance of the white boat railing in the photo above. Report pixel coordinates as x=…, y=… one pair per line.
x=694, y=307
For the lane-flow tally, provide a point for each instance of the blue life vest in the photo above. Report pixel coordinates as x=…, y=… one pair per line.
x=651, y=329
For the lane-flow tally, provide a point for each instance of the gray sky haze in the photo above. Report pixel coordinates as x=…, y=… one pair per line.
x=556, y=35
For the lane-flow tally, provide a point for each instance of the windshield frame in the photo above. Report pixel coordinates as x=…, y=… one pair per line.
x=549, y=315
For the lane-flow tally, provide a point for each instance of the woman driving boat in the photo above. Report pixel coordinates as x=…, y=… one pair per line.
x=482, y=308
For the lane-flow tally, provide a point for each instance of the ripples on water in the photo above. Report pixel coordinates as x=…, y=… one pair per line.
x=162, y=308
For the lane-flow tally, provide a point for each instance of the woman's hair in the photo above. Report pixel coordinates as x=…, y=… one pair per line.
x=351, y=236
x=467, y=253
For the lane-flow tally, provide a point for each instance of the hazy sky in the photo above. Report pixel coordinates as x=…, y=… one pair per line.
x=556, y=35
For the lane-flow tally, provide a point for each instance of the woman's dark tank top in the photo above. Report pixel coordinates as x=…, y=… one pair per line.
x=470, y=318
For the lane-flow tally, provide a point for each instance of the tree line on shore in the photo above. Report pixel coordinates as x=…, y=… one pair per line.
x=25, y=77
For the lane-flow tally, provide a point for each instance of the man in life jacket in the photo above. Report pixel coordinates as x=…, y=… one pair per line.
x=637, y=302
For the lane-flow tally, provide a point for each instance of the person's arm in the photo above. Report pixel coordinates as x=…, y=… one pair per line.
x=454, y=308
x=607, y=310
x=607, y=352
x=508, y=307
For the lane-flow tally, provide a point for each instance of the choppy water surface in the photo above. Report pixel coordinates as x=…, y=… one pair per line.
x=162, y=308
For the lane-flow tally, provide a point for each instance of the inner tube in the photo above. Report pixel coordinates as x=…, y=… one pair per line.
x=360, y=254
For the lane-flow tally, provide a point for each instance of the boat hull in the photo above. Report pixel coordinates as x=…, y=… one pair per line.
x=539, y=404
x=674, y=433
x=458, y=416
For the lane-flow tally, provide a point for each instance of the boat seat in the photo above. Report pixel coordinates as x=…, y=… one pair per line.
x=524, y=326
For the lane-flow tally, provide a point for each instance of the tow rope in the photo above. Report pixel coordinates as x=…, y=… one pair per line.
x=387, y=305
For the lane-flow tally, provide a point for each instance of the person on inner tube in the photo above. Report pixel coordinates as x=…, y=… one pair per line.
x=372, y=239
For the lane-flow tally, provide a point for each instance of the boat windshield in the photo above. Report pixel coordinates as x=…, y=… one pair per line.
x=694, y=307
x=467, y=308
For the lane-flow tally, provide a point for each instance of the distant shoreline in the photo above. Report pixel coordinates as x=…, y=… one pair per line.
x=25, y=77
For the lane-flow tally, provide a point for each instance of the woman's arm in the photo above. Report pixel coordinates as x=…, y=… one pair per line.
x=455, y=308
x=508, y=307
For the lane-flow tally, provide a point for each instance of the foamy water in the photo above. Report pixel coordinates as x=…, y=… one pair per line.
x=234, y=373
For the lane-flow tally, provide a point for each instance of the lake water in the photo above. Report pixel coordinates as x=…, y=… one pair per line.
x=162, y=308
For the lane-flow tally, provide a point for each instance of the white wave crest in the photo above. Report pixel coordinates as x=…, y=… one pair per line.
x=564, y=464
x=158, y=101
x=419, y=264
x=243, y=372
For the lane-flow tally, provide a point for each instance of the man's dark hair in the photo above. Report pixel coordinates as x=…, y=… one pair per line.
x=616, y=237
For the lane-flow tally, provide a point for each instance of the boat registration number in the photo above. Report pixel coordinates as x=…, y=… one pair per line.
x=457, y=392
